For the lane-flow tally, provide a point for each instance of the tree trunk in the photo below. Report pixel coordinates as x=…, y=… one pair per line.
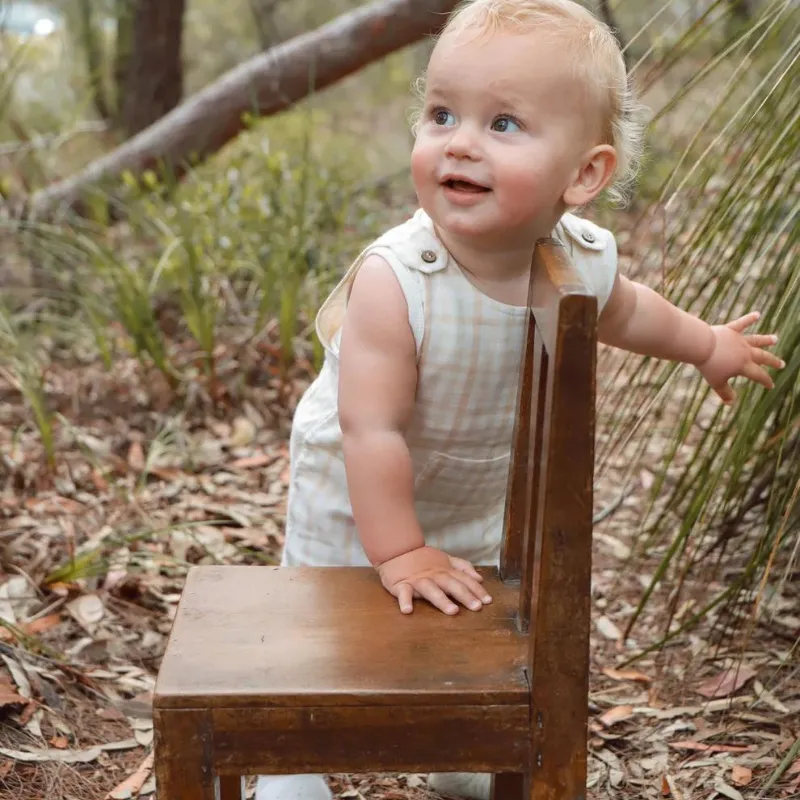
x=153, y=80
x=122, y=57
x=267, y=83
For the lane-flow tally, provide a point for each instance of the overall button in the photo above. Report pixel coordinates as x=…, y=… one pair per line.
x=588, y=236
x=428, y=256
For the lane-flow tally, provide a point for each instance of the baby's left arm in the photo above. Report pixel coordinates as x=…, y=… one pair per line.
x=639, y=320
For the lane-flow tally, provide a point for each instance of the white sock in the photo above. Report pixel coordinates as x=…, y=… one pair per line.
x=473, y=785
x=292, y=787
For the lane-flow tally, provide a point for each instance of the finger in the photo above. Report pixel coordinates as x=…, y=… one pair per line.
x=474, y=587
x=758, y=375
x=726, y=393
x=468, y=570
x=767, y=359
x=462, y=565
x=405, y=598
x=435, y=596
x=459, y=590
x=761, y=339
x=744, y=322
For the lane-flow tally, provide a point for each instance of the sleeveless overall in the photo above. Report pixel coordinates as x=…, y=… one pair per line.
x=468, y=353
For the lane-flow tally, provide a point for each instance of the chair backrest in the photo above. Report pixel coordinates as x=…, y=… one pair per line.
x=547, y=542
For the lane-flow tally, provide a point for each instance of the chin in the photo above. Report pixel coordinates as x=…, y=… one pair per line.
x=485, y=230
x=458, y=223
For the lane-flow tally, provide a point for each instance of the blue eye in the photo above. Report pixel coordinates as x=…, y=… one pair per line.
x=505, y=125
x=441, y=116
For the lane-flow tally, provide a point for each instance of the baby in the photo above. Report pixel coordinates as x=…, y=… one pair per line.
x=400, y=447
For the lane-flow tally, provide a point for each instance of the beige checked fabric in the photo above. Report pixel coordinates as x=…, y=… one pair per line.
x=468, y=351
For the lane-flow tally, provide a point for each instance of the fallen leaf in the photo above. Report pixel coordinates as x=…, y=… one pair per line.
x=741, y=775
x=166, y=473
x=15, y=596
x=252, y=462
x=626, y=675
x=48, y=754
x=99, y=481
x=60, y=742
x=26, y=717
x=616, y=714
x=769, y=699
x=133, y=783
x=726, y=683
x=8, y=697
x=125, y=744
x=136, y=457
x=42, y=624
x=728, y=791
x=608, y=628
x=88, y=610
x=32, y=628
x=19, y=676
x=702, y=747
x=243, y=432
x=672, y=786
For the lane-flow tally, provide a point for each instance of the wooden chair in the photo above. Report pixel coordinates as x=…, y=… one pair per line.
x=296, y=670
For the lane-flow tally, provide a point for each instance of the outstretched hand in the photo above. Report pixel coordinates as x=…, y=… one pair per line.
x=736, y=353
x=435, y=576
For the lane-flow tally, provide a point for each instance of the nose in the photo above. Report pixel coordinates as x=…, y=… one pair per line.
x=463, y=142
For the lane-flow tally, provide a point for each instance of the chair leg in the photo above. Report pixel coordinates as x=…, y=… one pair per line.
x=183, y=758
x=231, y=787
x=509, y=786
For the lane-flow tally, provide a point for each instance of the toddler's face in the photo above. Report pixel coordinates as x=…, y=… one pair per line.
x=503, y=129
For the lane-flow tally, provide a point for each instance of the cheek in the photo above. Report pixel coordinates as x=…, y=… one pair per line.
x=526, y=181
x=423, y=161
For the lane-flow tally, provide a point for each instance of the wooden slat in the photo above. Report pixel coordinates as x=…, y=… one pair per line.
x=358, y=739
x=263, y=636
x=533, y=478
x=516, y=512
x=559, y=631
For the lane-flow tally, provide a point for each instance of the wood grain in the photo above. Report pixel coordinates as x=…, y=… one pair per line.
x=366, y=739
x=184, y=755
x=262, y=636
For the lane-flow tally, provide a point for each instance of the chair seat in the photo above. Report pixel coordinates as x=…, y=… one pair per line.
x=268, y=637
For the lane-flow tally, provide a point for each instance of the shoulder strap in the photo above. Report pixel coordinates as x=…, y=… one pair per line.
x=593, y=251
x=413, y=252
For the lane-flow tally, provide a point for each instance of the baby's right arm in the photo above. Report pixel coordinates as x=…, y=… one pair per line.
x=377, y=387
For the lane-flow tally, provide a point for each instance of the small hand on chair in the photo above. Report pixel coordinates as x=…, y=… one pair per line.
x=435, y=576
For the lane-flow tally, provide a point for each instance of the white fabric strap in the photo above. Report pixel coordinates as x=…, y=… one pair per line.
x=412, y=284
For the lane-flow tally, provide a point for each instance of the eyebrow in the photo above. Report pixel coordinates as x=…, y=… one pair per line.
x=503, y=96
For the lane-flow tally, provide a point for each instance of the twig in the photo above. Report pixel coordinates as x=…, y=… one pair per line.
x=610, y=508
x=52, y=140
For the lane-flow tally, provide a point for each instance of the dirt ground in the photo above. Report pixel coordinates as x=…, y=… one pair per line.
x=94, y=555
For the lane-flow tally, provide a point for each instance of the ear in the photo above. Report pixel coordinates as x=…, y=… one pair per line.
x=596, y=169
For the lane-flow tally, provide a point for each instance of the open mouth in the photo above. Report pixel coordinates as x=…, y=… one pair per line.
x=460, y=185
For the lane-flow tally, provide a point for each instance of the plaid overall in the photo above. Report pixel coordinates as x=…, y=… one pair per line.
x=468, y=351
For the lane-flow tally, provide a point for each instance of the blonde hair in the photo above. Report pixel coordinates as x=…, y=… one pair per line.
x=600, y=65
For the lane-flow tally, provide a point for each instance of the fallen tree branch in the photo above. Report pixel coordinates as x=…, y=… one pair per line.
x=265, y=84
